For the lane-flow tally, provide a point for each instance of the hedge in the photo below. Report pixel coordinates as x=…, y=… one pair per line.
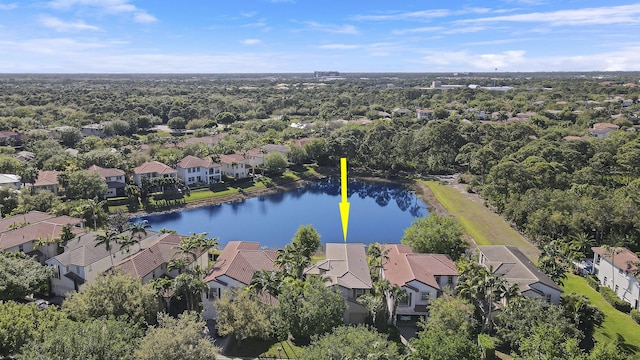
x=635, y=315
x=614, y=300
x=593, y=282
x=487, y=347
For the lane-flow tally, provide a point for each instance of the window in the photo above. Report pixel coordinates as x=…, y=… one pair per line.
x=438, y=279
x=616, y=289
x=424, y=296
x=548, y=299
x=21, y=248
x=619, y=271
x=450, y=280
x=56, y=271
x=357, y=293
x=213, y=294
x=406, y=301
x=604, y=281
x=597, y=259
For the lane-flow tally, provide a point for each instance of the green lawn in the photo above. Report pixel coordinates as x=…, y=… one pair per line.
x=616, y=325
x=482, y=224
x=266, y=348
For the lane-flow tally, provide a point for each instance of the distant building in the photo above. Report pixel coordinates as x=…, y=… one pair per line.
x=193, y=170
x=322, y=74
x=152, y=169
x=11, y=180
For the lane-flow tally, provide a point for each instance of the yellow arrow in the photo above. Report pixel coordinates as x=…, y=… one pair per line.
x=344, y=205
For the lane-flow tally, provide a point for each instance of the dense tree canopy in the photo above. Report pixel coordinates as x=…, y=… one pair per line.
x=357, y=342
x=21, y=275
x=437, y=235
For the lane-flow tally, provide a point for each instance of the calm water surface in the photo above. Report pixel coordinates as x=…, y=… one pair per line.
x=379, y=213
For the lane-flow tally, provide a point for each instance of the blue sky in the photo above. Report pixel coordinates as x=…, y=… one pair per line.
x=226, y=36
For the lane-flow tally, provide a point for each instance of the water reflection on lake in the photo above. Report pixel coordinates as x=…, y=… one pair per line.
x=379, y=213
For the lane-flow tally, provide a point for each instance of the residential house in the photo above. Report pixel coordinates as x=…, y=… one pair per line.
x=423, y=277
x=627, y=102
x=10, y=138
x=193, y=170
x=424, y=114
x=234, y=166
x=615, y=268
x=10, y=180
x=347, y=270
x=151, y=262
x=82, y=261
x=56, y=132
x=234, y=268
x=282, y=149
x=602, y=130
x=401, y=112
x=21, y=220
x=24, y=155
x=152, y=169
x=516, y=268
x=27, y=238
x=93, y=130
x=115, y=179
x=47, y=180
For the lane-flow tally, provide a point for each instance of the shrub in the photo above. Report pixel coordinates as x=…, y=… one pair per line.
x=635, y=315
x=487, y=346
x=613, y=299
x=593, y=282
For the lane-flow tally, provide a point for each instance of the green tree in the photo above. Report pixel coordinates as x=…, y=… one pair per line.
x=84, y=185
x=242, y=315
x=20, y=275
x=92, y=339
x=578, y=309
x=225, y=118
x=547, y=342
x=296, y=256
x=275, y=163
x=351, y=342
x=108, y=240
x=297, y=155
x=436, y=234
x=176, y=339
x=20, y=323
x=9, y=199
x=70, y=137
x=309, y=308
x=177, y=123
x=114, y=295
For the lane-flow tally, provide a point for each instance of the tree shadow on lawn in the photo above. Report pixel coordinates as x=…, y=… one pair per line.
x=252, y=348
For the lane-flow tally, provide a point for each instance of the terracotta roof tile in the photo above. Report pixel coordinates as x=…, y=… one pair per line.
x=105, y=172
x=153, y=167
x=404, y=266
x=240, y=260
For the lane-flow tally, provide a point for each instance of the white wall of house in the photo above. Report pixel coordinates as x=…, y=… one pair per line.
x=235, y=170
x=422, y=294
x=60, y=284
x=137, y=178
x=625, y=285
x=215, y=290
x=197, y=175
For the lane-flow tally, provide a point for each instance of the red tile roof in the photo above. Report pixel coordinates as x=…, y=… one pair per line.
x=623, y=257
x=404, y=266
x=31, y=217
x=231, y=158
x=47, y=229
x=161, y=251
x=105, y=172
x=192, y=161
x=46, y=178
x=240, y=260
x=153, y=167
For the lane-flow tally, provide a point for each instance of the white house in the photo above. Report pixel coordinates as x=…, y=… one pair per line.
x=193, y=170
x=614, y=268
x=152, y=169
x=424, y=114
x=234, y=166
x=347, y=270
x=516, y=268
x=93, y=130
x=115, y=179
x=234, y=268
x=422, y=276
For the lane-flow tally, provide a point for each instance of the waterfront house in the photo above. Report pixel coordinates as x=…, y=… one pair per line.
x=510, y=263
x=347, y=270
x=422, y=276
x=195, y=171
x=234, y=166
x=235, y=267
x=152, y=169
x=115, y=179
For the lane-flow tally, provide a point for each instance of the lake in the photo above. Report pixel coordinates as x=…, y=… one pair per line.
x=380, y=212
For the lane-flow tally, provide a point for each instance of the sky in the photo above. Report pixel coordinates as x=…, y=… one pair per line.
x=284, y=36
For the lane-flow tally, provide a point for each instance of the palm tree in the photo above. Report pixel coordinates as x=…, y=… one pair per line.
x=163, y=288
x=373, y=304
x=140, y=228
x=613, y=250
x=397, y=294
x=377, y=256
x=106, y=240
x=189, y=285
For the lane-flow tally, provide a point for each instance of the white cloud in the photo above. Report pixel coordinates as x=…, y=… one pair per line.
x=340, y=46
x=331, y=28
x=497, y=42
x=251, y=41
x=8, y=6
x=465, y=30
x=425, y=29
x=624, y=14
x=107, y=6
x=413, y=15
x=62, y=26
